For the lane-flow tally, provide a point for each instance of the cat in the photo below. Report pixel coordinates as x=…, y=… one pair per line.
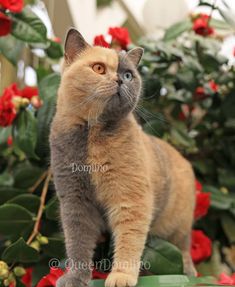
x=142, y=184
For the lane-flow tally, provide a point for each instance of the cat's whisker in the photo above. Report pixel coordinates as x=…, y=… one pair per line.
x=143, y=116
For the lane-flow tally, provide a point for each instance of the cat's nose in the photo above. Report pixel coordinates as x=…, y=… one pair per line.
x=119, y=81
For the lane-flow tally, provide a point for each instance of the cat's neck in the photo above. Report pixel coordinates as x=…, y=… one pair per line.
x=63, y=123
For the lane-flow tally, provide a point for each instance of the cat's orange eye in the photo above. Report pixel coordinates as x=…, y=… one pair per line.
x=99, y=68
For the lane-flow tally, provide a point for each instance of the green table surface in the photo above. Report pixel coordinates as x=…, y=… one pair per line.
x=167, y=281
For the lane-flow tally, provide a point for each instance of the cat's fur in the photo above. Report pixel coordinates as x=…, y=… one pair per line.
x=144, y=186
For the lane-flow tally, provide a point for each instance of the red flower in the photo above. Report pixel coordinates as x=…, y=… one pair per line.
x=13, y=5
x=5, y=24
x=226, y=280
x=120, y=36
x=200, y=247
x=57, y=40
x=29, y=92
x=202, y=201
x=100, y=41
x=51, y=278
x=200, y=93
x=201, y=25
x=98, y=275
x=198, y=185
x=9, y=141
x=7, y=108
x=214, y=87
x=234, y=51
x=27, y=278
x=202, y=204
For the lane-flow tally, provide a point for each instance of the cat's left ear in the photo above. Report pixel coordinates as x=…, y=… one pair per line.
x=74, y=45
x=135, y=55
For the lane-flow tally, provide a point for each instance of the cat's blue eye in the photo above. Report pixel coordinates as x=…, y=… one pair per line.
x=127, y=76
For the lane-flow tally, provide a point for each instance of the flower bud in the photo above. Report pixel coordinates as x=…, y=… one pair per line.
x=3, y=265
x=9, y=280
x=16, y=100
x=24, y=102
x=19, y=271
x=36, y=102
x=4, y=273
x=36, y=245
x=224, y=190
x=42, y=239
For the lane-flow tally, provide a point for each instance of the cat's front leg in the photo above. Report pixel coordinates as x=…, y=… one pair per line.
x=130, y=221
x=82, y=226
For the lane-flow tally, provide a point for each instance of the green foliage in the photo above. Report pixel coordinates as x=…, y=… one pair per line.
x=28, y=27
x=162, y=257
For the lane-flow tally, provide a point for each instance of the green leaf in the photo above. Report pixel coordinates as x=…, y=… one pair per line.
x=219, y=200
x=29, y=201
x=228, y=224
x=6, y=179
x=14, y=219
x=54, y=51
x=28, y=27
x=55, y=248
x=48, y=92
x=162, y=257
x=52, y=209
x=228, y=16
x=228, y=106
x=4, y=134
x=6, y=44
x=20, y=252
x=177, y=29
x=25, y=133
x=26, y=174
x=6, y=193
x=226, y=178
x=219, y=24
x=180, y=137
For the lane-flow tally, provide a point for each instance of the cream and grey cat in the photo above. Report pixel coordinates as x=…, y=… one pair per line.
x=143, y=184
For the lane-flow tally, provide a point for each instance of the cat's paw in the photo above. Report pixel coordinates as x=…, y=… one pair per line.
x=70, y=280
x=120, y=279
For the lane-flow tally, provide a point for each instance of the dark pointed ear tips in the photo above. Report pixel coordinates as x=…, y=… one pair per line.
x=135, y=55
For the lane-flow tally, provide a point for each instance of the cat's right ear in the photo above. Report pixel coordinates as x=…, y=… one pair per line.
x=74, y=45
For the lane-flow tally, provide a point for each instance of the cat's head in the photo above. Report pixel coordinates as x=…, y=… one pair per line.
x=98, y=84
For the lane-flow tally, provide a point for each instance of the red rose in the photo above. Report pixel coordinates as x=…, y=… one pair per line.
x=7, y=108
x=13, y=5
x=200, y=246
x=120, y=36
x=51, y=278
x=29, y=92
x=100, y=41
x=226, y=280
x=201, y=25
x=27, y=278
x=99, y=275
x=5, y=24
